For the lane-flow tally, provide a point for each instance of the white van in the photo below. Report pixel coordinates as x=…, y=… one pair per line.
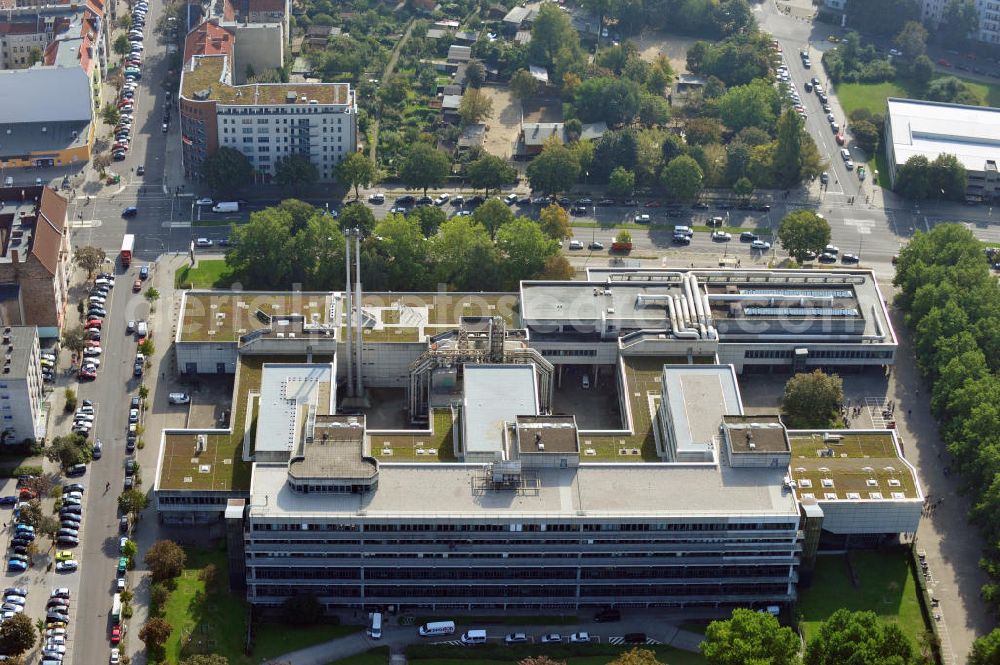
x=476, y=636
x=437, y=628
x=226, y=206
x=375, y=627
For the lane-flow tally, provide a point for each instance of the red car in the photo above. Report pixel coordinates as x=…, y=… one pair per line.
x=137, y=286
x=116, y=634
x=840, y=138
x=86, y=375
x=94, y=323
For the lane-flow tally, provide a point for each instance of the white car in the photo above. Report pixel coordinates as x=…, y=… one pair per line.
x=721, y=236
x=55, y=641
x=16, y=600
x=203, y=242
x=179, y=398
x=551, y=638
x=93, y=351
x=762, y=245
x=84, y=417
x=442, y=199
x=579, y=638
x=55, y=632
x=204, y=202
x=115, y=657
x=67, y=566
x=120, y=584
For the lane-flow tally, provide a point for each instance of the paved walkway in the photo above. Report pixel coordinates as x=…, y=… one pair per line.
x=398, y=637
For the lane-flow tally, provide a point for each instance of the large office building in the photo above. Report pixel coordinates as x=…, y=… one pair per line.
x=264, y=121
x=928, y=129
x=573, y=445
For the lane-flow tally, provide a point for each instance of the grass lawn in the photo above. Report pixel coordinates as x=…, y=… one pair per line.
x=217, y=622
x=666, y=655
x=207, y=274
x=886, y=587
x=872, y=96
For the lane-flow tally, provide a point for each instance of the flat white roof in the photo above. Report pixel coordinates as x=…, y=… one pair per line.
x=421, y=491
x=284, y=389
x=697, y=397
x=971, y=133
x=494, y=395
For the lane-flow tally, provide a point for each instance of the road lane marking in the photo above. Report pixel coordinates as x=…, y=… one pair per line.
x=84, y=223
x=863, y=226
x=176, y=225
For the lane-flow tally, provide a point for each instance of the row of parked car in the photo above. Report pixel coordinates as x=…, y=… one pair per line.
x=132, y=72
x=96, y=312
x=48, y=360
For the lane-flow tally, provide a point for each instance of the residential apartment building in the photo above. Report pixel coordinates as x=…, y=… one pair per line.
x=932, y=12
x=34, y=258
x=264, y=121
x=21, y=398
x=63, y=34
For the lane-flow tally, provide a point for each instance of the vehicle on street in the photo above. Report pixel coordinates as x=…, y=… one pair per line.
x=60, y=592
x=203, y=242
x=761, y=245
x=551, y=638
x=130, y=211
x=721, y=236
x=226, y=206
x=595, y=245
x=579, y=638
x=515, y=638
x=204, y=202
x=67, y=566
x=179, y=398
x=635, y=638
x=850, y=258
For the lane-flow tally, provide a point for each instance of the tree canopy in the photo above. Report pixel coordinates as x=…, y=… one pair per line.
x=812, y=401
x=165, y=559
x=555, y=170
x=424, y=167
x=682, y=179
x=750, y=637
x=227, y=171
x=356, y=171
x=490, y=172
x=803, y=231
x=295, y=172
x=858, y=638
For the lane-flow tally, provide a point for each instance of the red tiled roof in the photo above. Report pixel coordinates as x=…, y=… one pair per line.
x=208, y=39
x=19, y=28
x=49, y=229
x=86, y=55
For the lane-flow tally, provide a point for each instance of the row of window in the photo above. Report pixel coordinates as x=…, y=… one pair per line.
x=556, y=527
x=570, y=352
x=193, y=500
x=610, y=592
x=285, y=110
x=819, y=353
x=573, y=556
x=508, y=542
x=527, y=573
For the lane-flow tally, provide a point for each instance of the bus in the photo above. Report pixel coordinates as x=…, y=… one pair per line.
x=116, y=608
x=128, y=245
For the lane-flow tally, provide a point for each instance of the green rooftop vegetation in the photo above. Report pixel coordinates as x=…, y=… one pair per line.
x=436, y=444
x=862, y=463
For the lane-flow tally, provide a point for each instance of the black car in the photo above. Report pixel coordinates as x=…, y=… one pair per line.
x=578, y=210
x=129, y=482
x=20, y=542
x=700, y=205
x=130, y=446
x=75, y=487
x=608, y=616
x=68, y=541
x=425, y=201
x=20, y=549
x=123, y=525
x=747, y=236
x=475, y=201
x=406, y=200
x=682, y=239
x=57, y=602
x=57, y=616
x=76, y=470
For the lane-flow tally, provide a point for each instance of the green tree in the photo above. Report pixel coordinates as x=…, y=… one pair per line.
x=682, y=179
x=405, y=251
x=554, y=222
x=986, y=649
x=132, y=502
x=858, y=637
x=424, y=167
x=743, y=187
x=922, y=71
x=68, y=450
x=475, y=106
x=524, y=248
x=121, y=45
x=227, y=171
x=155, y=632
x=554, y=40
x=302, y=610
x=959, y=22
x=165, y=560
x=490, y=172
x=912, y=39
x=17, y=634
x=866, y=135
x=948, y=178
x=356, y=171
x=653, y=110
x=259, y=257
x=803, y=231
x=475, y=74
x=913, y=178
x=430, y=218
x=89, y=258
x=110, y=114
x=151, y=295
x=788, y=152
x=750, y=637
x=621, y=184
x=34, y=56
x=523, y=85
x=357, y=216
x=751, y=105
x=555, y=170
x=812, y=401
x=295, y=172
x=637, y=656
x=464, y=256
x=493, y=214
x=557, y=267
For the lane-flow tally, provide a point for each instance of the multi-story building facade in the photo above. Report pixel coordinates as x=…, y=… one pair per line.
x=263, y=121
x=20, y=385
x=73, y=34
x=932, y=12
x=34, y=259
x=488, y=500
